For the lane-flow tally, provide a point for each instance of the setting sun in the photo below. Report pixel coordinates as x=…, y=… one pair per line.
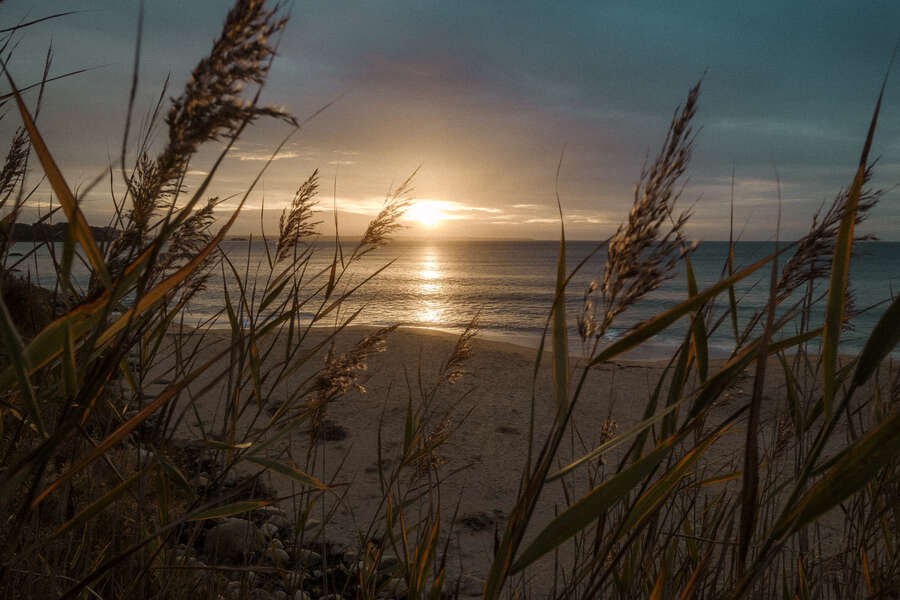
x=426, y=212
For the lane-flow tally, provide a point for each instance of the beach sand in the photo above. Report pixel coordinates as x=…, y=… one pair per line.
x=482, y=460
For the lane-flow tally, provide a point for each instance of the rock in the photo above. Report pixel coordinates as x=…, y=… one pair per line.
x=470, y=586
x=270, y=530
x=279, y=595
x=294, y=579
x=269, y=510
x=349, y=557
x=308, y=558
x=260, y=594
x=278, y=543
x=233, y=590
x=232, y=540
x=394, y=587
x=388, y=562
x=279, y=521
x=301, y=595
x=278, y=556
x=478, y=521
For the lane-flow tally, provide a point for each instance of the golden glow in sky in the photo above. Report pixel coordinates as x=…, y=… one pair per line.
x=426, y=212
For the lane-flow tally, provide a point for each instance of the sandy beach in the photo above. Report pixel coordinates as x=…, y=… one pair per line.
x=487, y=415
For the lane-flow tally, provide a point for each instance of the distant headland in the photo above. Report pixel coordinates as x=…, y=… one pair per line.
x=45, y=232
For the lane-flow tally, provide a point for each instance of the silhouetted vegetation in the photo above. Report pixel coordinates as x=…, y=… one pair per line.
x=112, y=485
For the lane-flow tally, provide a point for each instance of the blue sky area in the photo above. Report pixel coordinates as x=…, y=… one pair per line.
x=485, y=96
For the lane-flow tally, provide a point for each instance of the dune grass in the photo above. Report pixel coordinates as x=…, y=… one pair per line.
x=101, y=493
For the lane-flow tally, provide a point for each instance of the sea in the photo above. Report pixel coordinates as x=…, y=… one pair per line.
x=509, y=286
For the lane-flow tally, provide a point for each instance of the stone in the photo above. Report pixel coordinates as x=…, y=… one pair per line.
x=388, y=562
x=279, y=595
x=278, y=556
x=278, y=543
x=294, y=579
x=279, y=521
x=470, y=586
x=232, y=540
x=233, y=590
x=269, y=529
x=394, y=587
x=308, y=558
x=260, y=594
x=302, y=595
x=269, y=510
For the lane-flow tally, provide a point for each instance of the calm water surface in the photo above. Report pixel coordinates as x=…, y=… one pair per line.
x=443, y=285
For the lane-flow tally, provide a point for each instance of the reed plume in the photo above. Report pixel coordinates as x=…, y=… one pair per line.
x=812, y=258
x=210, y=108
x=462, y=352
x=13, y=172
x=341, y=371
x=379, y=231
x=296, y=222
x=642, y=254
x=14, y=165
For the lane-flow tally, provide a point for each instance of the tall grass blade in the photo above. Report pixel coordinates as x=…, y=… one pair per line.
x=229, y=510
x=100, y=504
x=750, y=484
x=77, y=223
x=124, y=429
x=20, y=365
x=613, y=443
x=288, y=471
x=156, y=294
x=660, y=322
x=658, y=492
x=584, y=512
x=698, y=328
x=560, y=334
x=840, y=269
x=856, y=467
x=883, y=339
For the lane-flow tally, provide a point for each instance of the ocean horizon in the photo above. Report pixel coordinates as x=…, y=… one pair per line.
x=443, y=285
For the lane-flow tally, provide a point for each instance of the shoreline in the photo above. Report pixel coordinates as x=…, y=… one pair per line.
x=647, y=354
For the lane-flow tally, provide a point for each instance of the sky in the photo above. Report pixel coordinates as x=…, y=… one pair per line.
x=486, y=98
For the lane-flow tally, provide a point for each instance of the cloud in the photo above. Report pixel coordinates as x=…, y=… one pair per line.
x=263, y=155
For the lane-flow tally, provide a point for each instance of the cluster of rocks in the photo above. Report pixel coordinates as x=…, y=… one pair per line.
x=269, y=564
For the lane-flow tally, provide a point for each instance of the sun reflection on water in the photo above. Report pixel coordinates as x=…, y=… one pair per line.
x=431, y=306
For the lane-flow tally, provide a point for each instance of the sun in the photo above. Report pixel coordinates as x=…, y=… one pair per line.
x=426, y=212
